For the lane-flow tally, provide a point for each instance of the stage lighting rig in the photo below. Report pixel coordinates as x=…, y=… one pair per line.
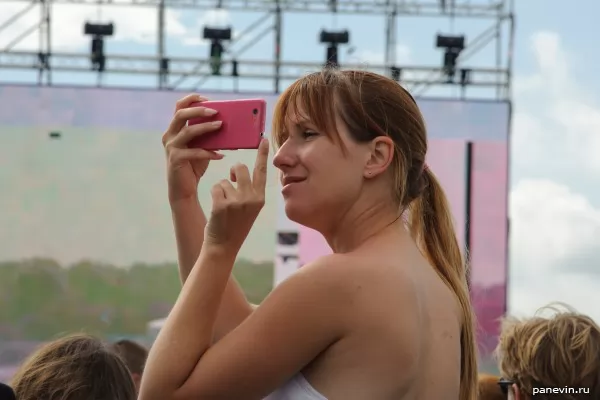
x=453, y=45
x=333, y=39
x=216, y=36
x=98, y=32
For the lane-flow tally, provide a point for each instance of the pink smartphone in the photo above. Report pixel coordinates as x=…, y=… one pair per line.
x=243, y=124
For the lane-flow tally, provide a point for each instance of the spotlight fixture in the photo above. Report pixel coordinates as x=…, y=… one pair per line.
x=98, y=32
x=216, y=36
x=453, y=46
x=333, y=39
x=396, y=73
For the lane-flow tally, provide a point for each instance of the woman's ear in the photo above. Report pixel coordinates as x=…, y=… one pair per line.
x=516, y=394
x=380, y=156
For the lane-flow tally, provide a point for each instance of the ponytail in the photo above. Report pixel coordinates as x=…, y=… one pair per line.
x=432, y=228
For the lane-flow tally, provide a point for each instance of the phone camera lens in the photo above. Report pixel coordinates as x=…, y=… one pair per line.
x=255, y=111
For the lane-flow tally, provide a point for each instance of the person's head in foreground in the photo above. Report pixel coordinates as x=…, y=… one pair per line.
x=550, y=357
x=77, y=367
x=134, y=355
x=352, y=148
x=489, y=388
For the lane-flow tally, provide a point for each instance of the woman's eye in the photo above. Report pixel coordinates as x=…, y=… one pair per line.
x=308, y=134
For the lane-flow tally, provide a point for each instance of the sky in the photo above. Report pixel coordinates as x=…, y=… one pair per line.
x=554, y=197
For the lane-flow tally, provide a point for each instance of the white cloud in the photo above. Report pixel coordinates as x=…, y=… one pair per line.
x=138, y=24
x=217, y=18
x=554, y=248
x=556, y=122
x=555, y=223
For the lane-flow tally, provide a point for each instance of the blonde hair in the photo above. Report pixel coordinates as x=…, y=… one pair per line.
x=76, y=367
x=372, y=105
x=557, y=351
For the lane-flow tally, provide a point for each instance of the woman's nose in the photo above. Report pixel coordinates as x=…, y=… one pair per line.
x=284, y=157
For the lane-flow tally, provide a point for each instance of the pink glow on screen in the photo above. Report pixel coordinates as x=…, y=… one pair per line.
x=489, y=240
x=488, y=214
x=312, y=245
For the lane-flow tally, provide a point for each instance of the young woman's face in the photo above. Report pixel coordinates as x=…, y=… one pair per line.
x=321, y=176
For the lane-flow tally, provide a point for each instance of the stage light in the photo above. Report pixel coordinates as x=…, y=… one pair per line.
x=99, y=29
x=217, y=33
x=216, y=56
x=453, y=45
x=333, y=39
x=216, y=37
x=454, y=42
x=396, y=73
x=98, y=32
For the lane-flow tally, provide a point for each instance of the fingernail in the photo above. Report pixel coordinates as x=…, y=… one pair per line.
x=210, y=111
x=217, y=123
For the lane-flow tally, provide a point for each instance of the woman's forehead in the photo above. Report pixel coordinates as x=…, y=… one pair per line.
x=297, y=116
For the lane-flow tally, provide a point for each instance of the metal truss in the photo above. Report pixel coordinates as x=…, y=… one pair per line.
x=485, y=9
x=496, y=76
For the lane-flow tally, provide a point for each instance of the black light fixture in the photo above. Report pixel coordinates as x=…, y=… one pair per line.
x=396, y=73
x=98, y=32
x=216, y=36
x=452, y=45
x=333, y=39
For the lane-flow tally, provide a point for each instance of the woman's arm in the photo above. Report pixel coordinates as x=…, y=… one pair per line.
x=297, y=321
x=189, y=222
x=303, y=316
x=185, y=168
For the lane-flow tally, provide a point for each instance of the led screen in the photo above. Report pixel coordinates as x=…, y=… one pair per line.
x=86, y=240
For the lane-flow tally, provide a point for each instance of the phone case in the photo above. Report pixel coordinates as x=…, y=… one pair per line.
x=243, y=124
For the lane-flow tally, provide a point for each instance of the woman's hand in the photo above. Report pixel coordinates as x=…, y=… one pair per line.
x=185, y=166
x=236, y=208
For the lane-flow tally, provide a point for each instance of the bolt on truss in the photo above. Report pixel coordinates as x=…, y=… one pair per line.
x=177, y=72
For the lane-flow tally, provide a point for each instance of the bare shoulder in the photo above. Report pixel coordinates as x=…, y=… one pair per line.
x=350, y=272
x=329, y=278
x=337, y=275
x=358, y=281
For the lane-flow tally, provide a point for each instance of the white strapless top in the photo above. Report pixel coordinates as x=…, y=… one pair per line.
x=296, y=388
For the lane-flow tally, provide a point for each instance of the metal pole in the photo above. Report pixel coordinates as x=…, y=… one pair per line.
x=41, y=43
x=277, y=57
x=48, y=7
x=511, y=47
x=390, y=39
x=161, y=43
x=16, y=16
x=499, y=49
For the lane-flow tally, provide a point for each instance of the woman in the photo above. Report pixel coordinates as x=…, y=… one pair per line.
x=76, y=367
x=387, y=316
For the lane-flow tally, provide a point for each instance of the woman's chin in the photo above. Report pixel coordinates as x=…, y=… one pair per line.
x=298, y=212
